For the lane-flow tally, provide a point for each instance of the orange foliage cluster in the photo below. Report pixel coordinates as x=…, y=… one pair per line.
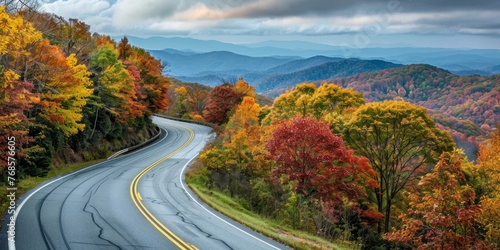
x=56, y=77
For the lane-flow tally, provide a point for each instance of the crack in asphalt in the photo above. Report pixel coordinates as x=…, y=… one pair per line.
x=208, y=235
x=96, y=214
x=93, y=216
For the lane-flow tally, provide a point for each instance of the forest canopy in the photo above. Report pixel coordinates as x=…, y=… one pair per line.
x=323, y=161
x=68, y=95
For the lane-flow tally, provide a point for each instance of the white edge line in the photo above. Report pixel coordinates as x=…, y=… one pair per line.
x=12, y=244
x=239, y=229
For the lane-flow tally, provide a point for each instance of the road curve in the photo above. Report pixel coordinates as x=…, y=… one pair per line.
x=137, y=201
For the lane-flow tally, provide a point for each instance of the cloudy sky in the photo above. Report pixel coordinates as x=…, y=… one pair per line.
x=359, y=23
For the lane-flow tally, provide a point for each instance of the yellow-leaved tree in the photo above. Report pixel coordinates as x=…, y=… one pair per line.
x=488, y=168
x=244, y=89
x=64, y=85
x=291, y=104
x=326, y=101
x=400, y=140
x=16, y=94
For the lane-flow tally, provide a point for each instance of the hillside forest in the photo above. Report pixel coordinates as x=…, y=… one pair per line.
x=323, y=160
x=356, y=159
x=472, y=100
x=68, y=95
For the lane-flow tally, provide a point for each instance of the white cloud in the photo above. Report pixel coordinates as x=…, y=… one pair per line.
x=137, y=13
x=96, y=13
x=77, y=8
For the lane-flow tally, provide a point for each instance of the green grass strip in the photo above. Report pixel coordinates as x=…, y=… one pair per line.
x=232, y=209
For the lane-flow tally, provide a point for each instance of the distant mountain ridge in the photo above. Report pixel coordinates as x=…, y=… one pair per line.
x=191, y=64
x=301, y=64
x=266, y=73
x=457, y=60
x=325, y=71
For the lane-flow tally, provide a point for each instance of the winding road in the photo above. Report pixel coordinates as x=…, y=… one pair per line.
x=137, y=201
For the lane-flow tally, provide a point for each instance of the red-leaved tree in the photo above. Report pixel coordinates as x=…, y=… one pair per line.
x=318, y=164
x=220, y=101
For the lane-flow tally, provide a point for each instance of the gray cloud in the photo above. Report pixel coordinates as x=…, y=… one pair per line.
x=284, y=8
x=449, y=5
x=285, y=17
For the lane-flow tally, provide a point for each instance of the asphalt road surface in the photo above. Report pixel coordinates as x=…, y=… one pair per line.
x=137, y=201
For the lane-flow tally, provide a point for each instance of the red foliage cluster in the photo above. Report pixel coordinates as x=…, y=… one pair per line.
x=308, y=154
x=220, y=101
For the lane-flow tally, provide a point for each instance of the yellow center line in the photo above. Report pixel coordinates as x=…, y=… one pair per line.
x=137, y=199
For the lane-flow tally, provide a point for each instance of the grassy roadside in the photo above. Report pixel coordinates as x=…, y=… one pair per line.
x=28, y=183
x=231, y=208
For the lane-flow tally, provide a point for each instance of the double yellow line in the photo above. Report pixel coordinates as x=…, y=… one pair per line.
x=137, y=199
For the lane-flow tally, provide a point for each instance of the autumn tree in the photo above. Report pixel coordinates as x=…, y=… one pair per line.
x=400, y=141
x=443, y=214
x=124, y=49
x=488, y=170
x=15, y=98
x=116, y=86
x=64, y=86
x=71, y=36
x=329, y=98
x=308, y=100
x=75, y=38
x=16, y=94
x=220, y=101
x=244, y=89
x=246, y=114
x=292, y=104
x=244, y=136
x=17, y=39
x=197, y=97
x=317, y=163
x=181, y=104
x=154, y=86
x=238, y=158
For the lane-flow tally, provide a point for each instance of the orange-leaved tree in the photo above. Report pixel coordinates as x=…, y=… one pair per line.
x=443, y=214
x=239, y=157
x=64, y=86
x=488, y=168
x=154, y=86
x=244, y=89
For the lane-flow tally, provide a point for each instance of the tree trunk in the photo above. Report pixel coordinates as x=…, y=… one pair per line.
x=387, y=216
x=95, y=123
x=380, y=207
